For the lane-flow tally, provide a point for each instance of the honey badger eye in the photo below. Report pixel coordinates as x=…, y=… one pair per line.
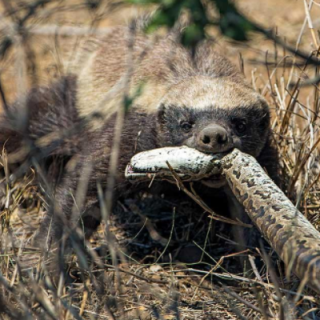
x=186, y=126
x=240, y=125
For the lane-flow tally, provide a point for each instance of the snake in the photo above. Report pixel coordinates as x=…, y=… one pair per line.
x=189, y=164
x=284, y=227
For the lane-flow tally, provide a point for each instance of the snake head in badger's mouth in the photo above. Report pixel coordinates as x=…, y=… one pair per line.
x=188, y=163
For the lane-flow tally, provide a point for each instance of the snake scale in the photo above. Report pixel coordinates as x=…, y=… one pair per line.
x=289, y=233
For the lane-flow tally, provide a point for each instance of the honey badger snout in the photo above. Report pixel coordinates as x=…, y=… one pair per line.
x=214, y=138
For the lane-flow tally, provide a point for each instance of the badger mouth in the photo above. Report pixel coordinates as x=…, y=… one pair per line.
x=214, y=181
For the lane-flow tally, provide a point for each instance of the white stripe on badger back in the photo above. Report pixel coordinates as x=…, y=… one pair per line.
x=118, y=65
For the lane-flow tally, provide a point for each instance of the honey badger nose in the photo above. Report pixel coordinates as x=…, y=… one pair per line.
x=213, y=138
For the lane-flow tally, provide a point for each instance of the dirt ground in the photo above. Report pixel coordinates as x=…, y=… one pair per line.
x=149, y=282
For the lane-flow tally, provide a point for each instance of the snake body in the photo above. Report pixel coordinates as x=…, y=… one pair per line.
x=289, y=233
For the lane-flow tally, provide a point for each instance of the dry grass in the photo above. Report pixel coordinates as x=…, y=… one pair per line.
x=137, y=274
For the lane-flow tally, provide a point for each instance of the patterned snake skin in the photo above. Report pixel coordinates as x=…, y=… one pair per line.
x=289, y=233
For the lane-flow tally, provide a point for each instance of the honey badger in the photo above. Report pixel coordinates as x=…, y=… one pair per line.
x=199, y=100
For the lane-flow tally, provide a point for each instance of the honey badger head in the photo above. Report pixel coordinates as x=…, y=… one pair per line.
x=214, y=115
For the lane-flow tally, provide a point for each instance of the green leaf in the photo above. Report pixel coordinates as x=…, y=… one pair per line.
x=192, y=34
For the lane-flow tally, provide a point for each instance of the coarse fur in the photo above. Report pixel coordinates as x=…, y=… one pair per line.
x=182, y=95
